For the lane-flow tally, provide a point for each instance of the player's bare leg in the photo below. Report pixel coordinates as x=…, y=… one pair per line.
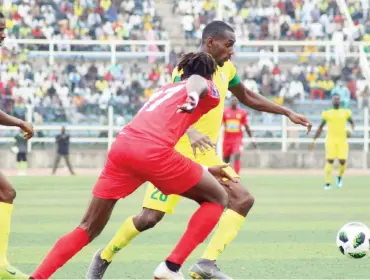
x=147, y=219
x=92, y=224
x=7, y=196
x=226, y=159
x=328, y=171
x=240, y=203
x=212, y=199
x=237, y=163
x=342, y=168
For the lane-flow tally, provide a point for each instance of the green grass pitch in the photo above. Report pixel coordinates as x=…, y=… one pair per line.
x=289, y=234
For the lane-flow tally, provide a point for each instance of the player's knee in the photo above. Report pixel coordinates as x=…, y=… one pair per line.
x=242, y=201
x=331, y=161
x=92, y=229
x=342, y=161
x=7, y=193
x=147, y=219
x=237, y=156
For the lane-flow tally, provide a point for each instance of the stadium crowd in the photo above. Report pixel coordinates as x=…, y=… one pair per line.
x=276, y=19
x=78, y=90
x=304, y=80
x=83, y=19
x=82, y=89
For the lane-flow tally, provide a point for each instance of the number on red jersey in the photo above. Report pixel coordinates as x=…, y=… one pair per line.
x=158, y=97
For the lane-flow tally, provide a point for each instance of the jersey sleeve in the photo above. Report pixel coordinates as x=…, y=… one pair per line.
x=349, y=114
x=234, y=79
x=244, y=120
x=224, y=117
x=213, y=96
x=324, y=115
x=176, y=75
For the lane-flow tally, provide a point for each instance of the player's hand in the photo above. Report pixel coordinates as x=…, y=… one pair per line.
x=189, y=105
x=349, y=131
x=27, y=128
x=219, y=173
x=300, y=119
x=199, y=141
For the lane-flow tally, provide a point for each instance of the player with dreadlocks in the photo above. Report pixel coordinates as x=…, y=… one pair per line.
x=7, y=192
x=144, y=151
x=218, y=39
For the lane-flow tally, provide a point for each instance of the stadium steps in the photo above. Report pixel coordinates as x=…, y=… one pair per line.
x=171, y=22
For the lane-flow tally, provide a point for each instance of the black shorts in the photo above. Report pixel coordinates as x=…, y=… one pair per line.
x=22, y=156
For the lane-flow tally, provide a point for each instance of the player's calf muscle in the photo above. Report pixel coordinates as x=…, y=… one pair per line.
x=7, y=192
x=147, y=219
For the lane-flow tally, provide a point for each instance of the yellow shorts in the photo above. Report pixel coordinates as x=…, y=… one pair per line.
x=156, y=200
x=336, y=150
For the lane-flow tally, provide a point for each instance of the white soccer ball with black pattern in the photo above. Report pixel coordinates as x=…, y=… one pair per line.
x=353, y=240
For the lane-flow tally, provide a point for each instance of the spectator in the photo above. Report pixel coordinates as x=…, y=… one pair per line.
x=296, y=89
x=326, y=84
x=21, y=144
x=363, y=97
x=344, y=94
x=62, y=142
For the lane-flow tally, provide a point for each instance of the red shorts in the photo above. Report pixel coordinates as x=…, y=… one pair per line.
x=132, y=161
x=229, y=148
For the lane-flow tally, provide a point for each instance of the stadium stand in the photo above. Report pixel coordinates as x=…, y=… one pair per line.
x=80, y=90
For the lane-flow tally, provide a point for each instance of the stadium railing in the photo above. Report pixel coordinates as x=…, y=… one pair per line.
x=110, y=129
x=115, y=50
x=287, y=50
x=110, y=49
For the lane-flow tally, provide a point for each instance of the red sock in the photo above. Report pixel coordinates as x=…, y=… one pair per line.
x=237, y=166
x=200, y=226
x=65, y=248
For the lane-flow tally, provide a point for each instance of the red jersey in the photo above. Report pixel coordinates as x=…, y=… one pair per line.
x=158, y=120
x=234, y=120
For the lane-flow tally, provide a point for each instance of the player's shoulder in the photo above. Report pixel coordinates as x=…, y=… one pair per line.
x=176, y=75
x=327, y=111
x=347, y=110
x=228, y=66
x=243, y=111
x=227, y=110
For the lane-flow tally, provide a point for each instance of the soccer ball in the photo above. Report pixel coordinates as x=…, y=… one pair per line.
x=353, y=240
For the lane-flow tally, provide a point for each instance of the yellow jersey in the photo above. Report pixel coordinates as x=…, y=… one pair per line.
x=210, y=123
x=337, y=124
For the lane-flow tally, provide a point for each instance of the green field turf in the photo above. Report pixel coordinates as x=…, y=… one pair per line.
x=290, y=232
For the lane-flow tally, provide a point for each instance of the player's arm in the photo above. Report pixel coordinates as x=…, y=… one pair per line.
x=350, y=120
x=8, y=120
x=197, y=140
x=196, y=87
x=317, y=134
x=249, y=132
x=260, y=103
x=247, y=129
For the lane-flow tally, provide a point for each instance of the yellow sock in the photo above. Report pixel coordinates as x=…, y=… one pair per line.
x=123, y=237
x=227, y=230
x=19, y=165
x=328, y=171
x=342, y=168
x=5, y=216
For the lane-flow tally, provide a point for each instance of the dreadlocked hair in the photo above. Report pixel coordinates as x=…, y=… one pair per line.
x=199, y=63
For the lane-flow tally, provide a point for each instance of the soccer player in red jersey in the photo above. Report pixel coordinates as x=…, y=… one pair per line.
x=234, y=119
x=144, y=151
